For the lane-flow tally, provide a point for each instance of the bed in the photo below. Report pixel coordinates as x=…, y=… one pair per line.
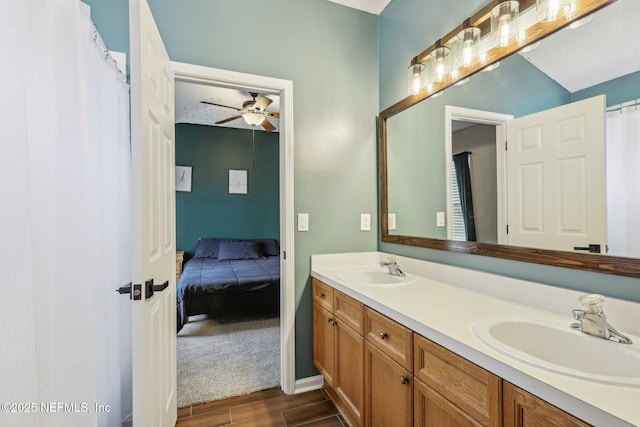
x=230, y=276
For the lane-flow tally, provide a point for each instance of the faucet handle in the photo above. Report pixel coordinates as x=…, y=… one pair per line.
x=592, y=303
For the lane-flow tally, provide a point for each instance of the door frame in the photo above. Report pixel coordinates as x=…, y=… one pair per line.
x=499, y=120
x=284, y=89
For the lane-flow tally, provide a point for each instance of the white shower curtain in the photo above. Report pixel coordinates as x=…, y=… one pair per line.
x=623, y=181
x=64, y=223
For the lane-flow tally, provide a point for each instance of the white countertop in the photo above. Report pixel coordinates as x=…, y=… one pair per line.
x=443, y=302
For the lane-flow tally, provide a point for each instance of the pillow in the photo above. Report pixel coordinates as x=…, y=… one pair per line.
x=269, y=247
x=208, y=248
x=239, y=250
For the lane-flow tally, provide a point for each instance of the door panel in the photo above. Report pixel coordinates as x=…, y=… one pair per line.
x=153, y=233
x=556, y=177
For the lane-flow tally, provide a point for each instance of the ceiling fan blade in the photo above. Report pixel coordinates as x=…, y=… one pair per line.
x=275, y=115
x=266, y=124
x=262, y=102
x=227, y=120
x=219, y=105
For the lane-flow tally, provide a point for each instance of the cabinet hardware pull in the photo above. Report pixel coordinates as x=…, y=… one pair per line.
x=322, y=295
x=404, y=379
x=383, y=335
x=330, y=320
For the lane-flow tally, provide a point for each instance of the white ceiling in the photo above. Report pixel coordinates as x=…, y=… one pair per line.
x=371, y=6
x=603, y=49
x=190, y=109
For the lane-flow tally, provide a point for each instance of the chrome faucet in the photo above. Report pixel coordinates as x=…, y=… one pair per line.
x=593, y=321
x=394, y=268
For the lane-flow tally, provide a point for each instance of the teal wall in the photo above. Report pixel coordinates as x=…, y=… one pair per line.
x=622, y=89
x=209, y=210
x=330, y=52
x=407, y=27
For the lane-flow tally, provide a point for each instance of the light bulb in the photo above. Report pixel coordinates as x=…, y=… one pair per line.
x=415, y=78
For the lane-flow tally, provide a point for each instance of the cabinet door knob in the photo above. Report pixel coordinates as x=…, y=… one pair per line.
x=383, y=335
x=330, y=320
x=404, y=379
x=322, y=295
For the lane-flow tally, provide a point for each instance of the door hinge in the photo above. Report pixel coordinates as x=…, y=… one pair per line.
x=284, y=254
x=506, y=145
x=507, y=228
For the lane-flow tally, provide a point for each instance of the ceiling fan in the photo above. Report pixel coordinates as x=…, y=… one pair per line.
x=253, y=112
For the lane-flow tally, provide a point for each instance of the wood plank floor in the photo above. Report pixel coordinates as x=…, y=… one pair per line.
x=265, y=408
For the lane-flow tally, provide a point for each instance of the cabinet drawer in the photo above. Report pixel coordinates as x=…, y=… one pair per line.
x=389, y=336
x=350, y=311
x=477, y=391
x=322, y=294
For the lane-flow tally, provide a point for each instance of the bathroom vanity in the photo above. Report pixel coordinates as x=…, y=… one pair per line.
x=449, y=346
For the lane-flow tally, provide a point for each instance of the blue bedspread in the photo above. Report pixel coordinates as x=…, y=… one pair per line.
x=204, y=279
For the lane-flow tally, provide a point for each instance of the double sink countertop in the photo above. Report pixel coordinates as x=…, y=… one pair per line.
x=444, y=304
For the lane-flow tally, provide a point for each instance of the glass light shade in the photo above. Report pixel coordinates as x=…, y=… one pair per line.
x=415, y=78
x=254, y=119
x=467, y=47
x=439, y=64
x=580, y=22
x=504, y=23
x=550, y=10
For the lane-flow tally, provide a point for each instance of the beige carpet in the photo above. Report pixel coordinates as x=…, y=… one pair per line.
x=224, y=358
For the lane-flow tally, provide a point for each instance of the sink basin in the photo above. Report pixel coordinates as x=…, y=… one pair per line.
x=372, y=277
x=561, y=349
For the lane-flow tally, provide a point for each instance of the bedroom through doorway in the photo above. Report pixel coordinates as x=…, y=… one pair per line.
x=228, y=231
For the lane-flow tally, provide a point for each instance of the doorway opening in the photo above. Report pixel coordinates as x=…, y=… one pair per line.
x=477, y=139
x=283, y=91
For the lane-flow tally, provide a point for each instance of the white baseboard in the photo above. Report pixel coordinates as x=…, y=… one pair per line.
x=308, y=384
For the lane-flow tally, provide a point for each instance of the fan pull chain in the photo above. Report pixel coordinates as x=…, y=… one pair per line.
x=253, y=148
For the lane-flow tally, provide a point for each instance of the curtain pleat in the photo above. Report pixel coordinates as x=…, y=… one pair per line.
x=623, y=176
x=65, y=230
x=463, y=177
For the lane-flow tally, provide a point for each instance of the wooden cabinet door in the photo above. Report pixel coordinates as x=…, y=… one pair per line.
x=348, y=379
x=522, y=409
x=323, y=342
x=388, y=391
x=433, y=410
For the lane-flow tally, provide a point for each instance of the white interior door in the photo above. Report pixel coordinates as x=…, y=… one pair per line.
x=153, y=192
x=556, y=177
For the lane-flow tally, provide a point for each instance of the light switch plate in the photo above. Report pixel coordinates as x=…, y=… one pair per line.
x=365, y=222
x=303, y=222
x=391, y=221
x=439, y=219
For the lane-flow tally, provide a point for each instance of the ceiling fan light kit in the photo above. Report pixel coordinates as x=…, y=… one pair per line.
x=253, y=112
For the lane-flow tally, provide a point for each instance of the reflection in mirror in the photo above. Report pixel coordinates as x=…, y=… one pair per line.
x=568, y=66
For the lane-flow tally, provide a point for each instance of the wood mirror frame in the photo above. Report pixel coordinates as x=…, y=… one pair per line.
x=606, y=264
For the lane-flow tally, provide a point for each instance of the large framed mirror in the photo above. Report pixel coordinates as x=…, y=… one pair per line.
x=442, y=157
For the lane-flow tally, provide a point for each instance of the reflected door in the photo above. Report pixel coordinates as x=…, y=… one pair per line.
x=556, y=177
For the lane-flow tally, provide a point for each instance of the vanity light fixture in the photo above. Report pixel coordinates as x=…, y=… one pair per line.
x=550, y=10
x=504, y=23
x=467, y=46
x=253, y=119
x=440, y=63
x=414, y=73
